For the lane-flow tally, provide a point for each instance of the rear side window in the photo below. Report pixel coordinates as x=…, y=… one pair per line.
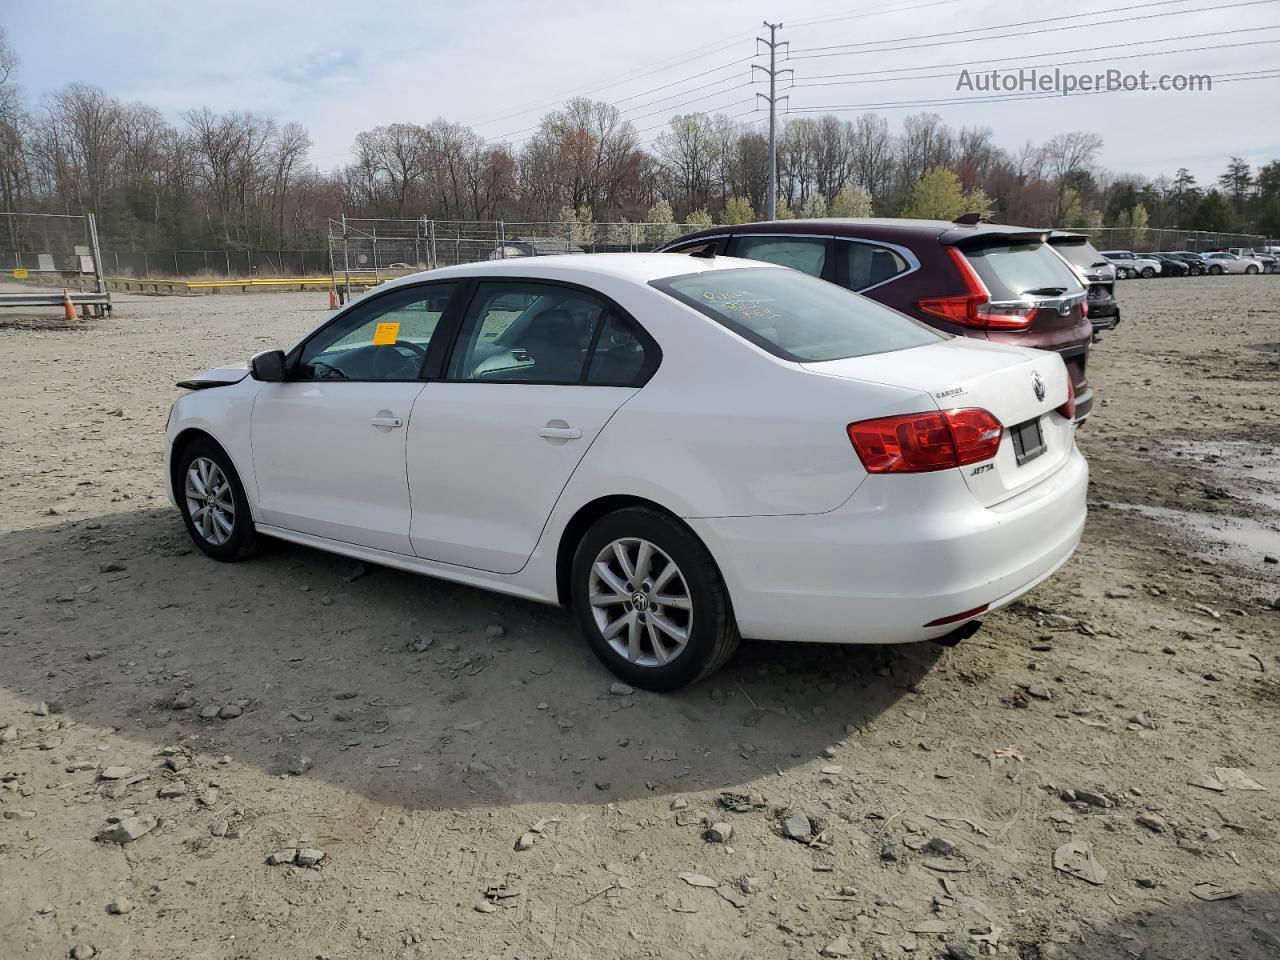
x=1012, y=271
x=806, y=254
x=870, y=265
x=796, y=317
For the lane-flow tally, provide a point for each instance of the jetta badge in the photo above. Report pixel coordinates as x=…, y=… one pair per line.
x=1037, y=384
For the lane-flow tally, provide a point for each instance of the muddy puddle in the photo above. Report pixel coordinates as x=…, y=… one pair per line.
x=1248, y=471
x=1233, y=538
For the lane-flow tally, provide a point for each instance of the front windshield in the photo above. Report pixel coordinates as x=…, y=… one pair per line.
x=795, y=316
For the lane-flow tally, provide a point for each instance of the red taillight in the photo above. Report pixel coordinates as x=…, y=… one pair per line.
x=974, y=308
x=921, y=442
x=1068, y=409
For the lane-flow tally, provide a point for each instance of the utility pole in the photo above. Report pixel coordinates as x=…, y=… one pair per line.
x=771, y=206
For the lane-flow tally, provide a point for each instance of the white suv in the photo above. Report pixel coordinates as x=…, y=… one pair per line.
x=1128, y=264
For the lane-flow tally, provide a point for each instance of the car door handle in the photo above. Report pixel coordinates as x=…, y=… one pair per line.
x=389, y=422
x=560, y=433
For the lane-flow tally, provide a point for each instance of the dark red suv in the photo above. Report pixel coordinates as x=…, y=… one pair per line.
x=978, y=280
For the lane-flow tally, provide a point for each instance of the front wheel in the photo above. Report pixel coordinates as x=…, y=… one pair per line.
x=650, y=600
x=1148, y=272
x=213, y=503
x=1215, y=271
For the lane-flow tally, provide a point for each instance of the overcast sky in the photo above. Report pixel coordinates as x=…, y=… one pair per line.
x=341, y=67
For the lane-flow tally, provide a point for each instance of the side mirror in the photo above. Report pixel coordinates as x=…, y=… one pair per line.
x=268, y=366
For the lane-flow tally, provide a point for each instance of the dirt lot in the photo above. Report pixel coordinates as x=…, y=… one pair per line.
x=434, y=742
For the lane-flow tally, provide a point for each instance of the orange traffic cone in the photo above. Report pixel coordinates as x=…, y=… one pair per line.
x=68, y=307
x=333, y=300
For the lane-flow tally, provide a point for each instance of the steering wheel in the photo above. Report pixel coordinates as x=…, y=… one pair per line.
x=398, y=361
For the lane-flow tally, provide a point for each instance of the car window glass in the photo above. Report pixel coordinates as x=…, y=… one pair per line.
x=870, y=265
x=1012, y=270
x=385, y=338
x=529, y=332
x=796, y=317
x=806, y=254
x=619, y=357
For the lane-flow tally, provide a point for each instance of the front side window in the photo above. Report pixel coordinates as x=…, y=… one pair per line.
x=806, y=254
x=527, y=332
x=385, y=338
x=797, y=317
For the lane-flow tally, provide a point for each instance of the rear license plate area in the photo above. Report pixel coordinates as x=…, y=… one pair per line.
x=1028, y=440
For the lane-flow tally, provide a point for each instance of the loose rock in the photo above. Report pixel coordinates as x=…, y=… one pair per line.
x=308, y=857
x=230, y=711
x=129, y=829
x=120, y=907
x=718, y=833
x=797, y=827
x=282, y=856
x=839, y=947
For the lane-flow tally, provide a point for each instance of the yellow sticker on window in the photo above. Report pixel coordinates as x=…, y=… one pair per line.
x=386, y=333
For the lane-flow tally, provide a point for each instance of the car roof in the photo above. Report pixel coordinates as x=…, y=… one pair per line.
x=879, y=228
x=581, y=268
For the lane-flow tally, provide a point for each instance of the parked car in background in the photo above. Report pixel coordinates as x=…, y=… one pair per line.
x=1248, y=253
x=515, y=247
x=980, y=280
x=1196, y=264
x=685, y=450
x=1171, y=266
x=1129, y=265
x=1231, y=263
x=1098, y=275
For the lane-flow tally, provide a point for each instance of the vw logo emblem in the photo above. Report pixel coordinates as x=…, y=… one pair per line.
x=1037, y=384
x=640, y=601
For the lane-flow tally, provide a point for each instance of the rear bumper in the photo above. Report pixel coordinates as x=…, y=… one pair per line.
x=902, y=552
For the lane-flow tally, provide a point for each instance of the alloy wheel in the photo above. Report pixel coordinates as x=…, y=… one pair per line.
x=641, y=602
x=210, y=503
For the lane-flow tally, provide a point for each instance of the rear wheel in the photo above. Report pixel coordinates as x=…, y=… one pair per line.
x=213, y=503
x=1148, y=272
x=650, y=600
x=1251, y=268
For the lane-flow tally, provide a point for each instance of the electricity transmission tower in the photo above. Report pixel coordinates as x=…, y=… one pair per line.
x=773, y=73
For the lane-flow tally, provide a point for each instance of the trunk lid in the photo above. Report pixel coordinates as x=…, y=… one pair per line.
x=961, y=373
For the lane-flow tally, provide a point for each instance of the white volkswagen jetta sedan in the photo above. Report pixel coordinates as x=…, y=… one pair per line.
x=686, y=450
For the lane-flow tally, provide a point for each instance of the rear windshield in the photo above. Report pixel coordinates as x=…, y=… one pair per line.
x=1012, y=271
x=795, y=316
x=1081, y=253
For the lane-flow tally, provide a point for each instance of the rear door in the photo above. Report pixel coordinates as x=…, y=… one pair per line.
x=537, y=371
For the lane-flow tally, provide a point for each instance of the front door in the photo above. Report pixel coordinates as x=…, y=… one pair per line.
x=329, y=442
x=538, y=370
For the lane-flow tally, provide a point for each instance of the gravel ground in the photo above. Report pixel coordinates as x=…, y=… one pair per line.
x=410, y=737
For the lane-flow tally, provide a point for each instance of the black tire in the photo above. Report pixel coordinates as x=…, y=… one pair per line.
x=1251, y=269
x=244, y=540
x=1215, y=270
x=714, y=635
x=1148, y=273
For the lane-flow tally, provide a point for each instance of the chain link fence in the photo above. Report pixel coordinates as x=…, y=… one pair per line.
x=1151, y=239
x=361, y=249
x=167, y=264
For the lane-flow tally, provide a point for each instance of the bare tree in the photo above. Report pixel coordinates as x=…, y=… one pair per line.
x=1066, y=155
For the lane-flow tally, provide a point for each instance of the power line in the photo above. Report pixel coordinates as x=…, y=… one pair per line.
x=1264, y=74
x=1110, y=21
x=949, y=34
x=988, y=60
x=1056, y=63
x=532, y=105
x=815, y=21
